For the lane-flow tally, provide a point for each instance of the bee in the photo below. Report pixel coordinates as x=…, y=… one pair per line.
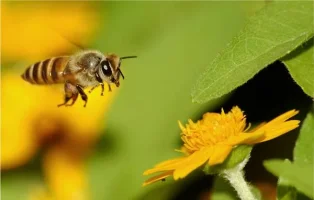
x=89, y=68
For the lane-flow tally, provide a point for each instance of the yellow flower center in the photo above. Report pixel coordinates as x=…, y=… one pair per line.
x=213, y=129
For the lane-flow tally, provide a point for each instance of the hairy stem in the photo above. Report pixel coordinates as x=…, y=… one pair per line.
x=235, y=176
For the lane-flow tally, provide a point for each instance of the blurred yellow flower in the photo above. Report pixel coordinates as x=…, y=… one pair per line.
x=33, y=31
x=65, y=176
x=68, y=170
x=31, y=121
x=212, y=138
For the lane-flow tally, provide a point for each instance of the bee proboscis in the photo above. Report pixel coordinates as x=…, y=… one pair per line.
x=89, y=68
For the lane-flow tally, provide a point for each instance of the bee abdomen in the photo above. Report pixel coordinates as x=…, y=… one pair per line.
x=49, y=71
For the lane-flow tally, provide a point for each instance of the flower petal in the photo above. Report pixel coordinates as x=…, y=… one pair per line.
x=278, y=130
x=210, y=116
x=158, y=177
x=192, y=162
x=65, y=174
x=283, y=117
x=166, y=165
x=172, y=162
x=280, y=119
x=245, y=138
x=237, y=113
x=219, y=154
x=257, y=127
x=181, y=126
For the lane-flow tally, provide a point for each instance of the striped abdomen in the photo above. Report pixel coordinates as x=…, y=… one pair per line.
x=46, y=72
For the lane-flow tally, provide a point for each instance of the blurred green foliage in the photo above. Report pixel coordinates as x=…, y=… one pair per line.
x=173, y=42
x=18, y=183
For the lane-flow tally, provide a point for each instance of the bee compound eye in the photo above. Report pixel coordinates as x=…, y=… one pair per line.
x=105, y=67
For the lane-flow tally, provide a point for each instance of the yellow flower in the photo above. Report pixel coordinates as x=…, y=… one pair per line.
x=31, y=121
x=65, y=176
x=32, y=31
x=212, y=138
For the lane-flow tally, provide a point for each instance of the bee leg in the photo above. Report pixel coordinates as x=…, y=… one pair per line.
x=101, y=83
x=74, y=97
x=66, y=99
x=70, y=93
x=92, y=88
x=109, y=87
x=102, y=89
x=82, y=93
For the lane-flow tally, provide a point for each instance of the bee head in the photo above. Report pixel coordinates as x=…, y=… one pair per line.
x=111, y=67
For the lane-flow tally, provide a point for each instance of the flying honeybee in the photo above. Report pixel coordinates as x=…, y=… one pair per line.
x=88, y=68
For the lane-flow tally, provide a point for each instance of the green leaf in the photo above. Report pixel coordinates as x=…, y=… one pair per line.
x=301, y=196
x=222, y=190
x=273, y=32
x=257, y=194
x=303, y=151
x=301, y=176
x=300, y=64
x=285, y=191
x=303, y=156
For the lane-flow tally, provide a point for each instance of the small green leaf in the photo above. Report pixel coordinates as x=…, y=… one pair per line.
x=222, y=190
x=301, y=176
x=285, y=191
x=256, y=192
x=303, y=158
x=303, y=151
x=301, y=196
x=300, y=64
x=272, y=33
x=236, y=156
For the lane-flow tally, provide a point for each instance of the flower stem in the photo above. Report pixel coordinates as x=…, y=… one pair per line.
x=235, y=176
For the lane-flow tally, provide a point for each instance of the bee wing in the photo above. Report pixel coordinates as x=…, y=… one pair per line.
x=76, y=44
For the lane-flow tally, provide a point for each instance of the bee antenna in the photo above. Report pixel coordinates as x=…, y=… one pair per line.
x=121, y=58
x=121, y=73
x=126, y=57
